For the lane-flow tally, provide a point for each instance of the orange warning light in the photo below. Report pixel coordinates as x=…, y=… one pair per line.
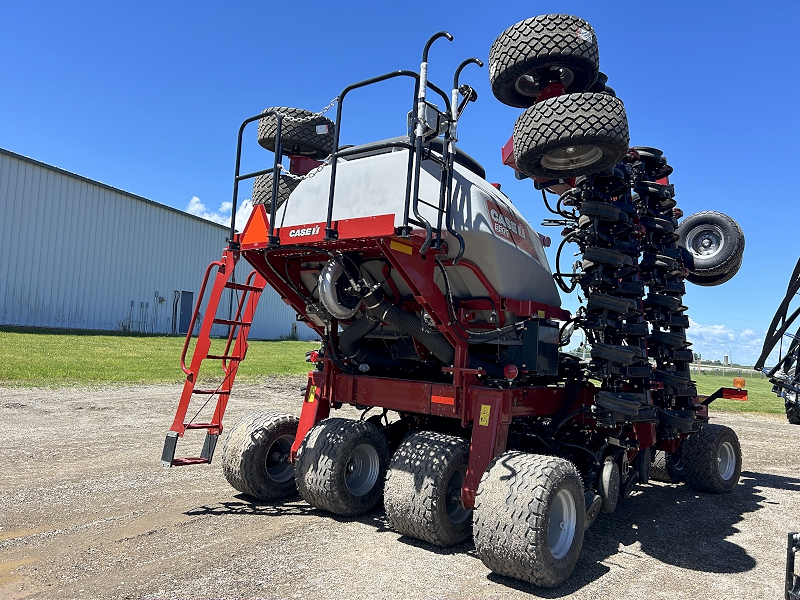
x=738, y=383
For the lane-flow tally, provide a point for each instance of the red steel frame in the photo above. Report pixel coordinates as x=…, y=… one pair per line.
x=466, y=399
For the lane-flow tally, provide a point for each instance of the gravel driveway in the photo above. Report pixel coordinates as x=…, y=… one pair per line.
x=87, y=512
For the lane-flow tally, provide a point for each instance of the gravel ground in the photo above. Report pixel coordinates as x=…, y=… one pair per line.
x=87, y=512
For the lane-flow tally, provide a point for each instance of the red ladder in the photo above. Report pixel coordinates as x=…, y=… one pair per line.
x=235, y=351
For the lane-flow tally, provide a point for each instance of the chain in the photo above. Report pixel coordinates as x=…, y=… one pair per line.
x=312, y=116
x=325, y=162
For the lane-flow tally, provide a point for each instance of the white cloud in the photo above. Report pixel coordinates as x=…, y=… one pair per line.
x=223, y=214
x=715, y=341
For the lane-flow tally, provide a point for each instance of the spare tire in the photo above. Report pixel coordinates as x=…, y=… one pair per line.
x=262, y=189
x=563, y=44
x=715, y=241
x=302, y=132
x=571, y=135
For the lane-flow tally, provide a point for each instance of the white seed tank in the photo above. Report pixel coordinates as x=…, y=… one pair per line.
x=502, y=244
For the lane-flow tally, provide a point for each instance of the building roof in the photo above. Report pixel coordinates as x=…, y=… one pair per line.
x=108, y=187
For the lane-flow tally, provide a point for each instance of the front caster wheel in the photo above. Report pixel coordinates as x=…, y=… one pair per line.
x=529, y=518
x=341, y=466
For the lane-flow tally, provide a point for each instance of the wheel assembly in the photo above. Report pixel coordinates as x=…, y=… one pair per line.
x=254, y=457
x=571, y=135
x=302, y=132
x=716, y=243
x=529, y=518
x=537, y=52
x=341, y=466
x=262, y=189
x=712, y=459
x=422, y=495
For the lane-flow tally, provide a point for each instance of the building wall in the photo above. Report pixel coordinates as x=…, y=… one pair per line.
x=76, y=253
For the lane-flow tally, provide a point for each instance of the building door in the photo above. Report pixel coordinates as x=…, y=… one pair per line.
x=187, y=304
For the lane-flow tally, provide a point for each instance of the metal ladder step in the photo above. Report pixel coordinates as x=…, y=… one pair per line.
x=224, y=357
x=231, y=322
x=242, y=287
x=210, y=392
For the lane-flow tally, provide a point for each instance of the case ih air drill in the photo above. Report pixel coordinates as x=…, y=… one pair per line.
x=440, y=318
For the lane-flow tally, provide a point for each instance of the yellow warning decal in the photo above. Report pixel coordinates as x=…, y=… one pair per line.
x=540, y=314
x=485, y=412
x=312, y=393
x=405, y=248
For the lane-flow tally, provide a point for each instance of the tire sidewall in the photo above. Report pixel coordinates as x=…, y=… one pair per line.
x=565, y=565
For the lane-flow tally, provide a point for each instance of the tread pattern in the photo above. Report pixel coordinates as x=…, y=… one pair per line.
x=543, y=41
x=700, y=459
x=322, y=461
x=244, y=454
x=571, y=120
x=416, y=486
x=793, y=414
x=664, y=469
x=297, y=136
x=511, y=517
x=262, y=188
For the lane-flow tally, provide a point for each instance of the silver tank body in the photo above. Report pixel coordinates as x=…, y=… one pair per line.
x=497, y=238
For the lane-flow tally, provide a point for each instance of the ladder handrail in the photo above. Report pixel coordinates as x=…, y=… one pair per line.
x=195, y=312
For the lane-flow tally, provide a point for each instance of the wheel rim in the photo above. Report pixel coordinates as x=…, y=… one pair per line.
x=361, y=470
x=726, y=461
x=455, y=511
x=561, y=527
x=705, y=241
x=677, y=463
x=571, y=157
x=278, y=469
x=528, y=85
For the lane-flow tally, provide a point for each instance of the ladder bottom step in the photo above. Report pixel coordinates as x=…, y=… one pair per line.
x=211, y=392
x=224, y=357
x=182, y=462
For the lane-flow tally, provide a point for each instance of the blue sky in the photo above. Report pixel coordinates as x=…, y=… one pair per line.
x=148, y=97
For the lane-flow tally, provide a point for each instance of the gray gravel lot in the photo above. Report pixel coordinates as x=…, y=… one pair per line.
x=87, y=512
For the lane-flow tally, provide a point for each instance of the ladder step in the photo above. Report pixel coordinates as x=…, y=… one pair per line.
x=230, y=322
x=200, y=425
x=242, y=287
x=182, y=462
x=224, y=356
x=211, y=392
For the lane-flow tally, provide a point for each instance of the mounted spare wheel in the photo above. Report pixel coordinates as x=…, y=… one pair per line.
x=541, y=50
x=713, y=280
x=262, y=188
x=302, y=132
x=571, y=135
x=715, y=241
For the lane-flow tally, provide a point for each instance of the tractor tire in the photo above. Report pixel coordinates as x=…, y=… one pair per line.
x=253, y=457
x=341, y=466
x=571, y=135
x=668, y=468
x=559, y=43
x=715, y=241
x=529, y=518
x=714, y=280
x=793, y=414
x=262, y=189
x=422, y=494
x=712, y=459
x=302, y=132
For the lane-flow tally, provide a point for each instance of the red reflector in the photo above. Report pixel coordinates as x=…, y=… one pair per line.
x=510, y=371
x=496, y=186
x=313, y=356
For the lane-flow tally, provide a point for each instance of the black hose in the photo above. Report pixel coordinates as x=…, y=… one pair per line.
x=349, y=340
x=412, y=325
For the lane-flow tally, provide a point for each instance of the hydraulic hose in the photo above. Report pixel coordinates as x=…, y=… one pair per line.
x=379, y=310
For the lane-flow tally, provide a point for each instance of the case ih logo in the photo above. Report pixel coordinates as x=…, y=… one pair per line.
x=303, y=232
x=505, y=225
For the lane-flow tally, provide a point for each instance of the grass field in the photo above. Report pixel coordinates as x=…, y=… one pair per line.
x=62, y=358
x=50, y=358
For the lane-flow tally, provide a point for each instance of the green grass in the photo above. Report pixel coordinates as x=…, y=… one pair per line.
x=761, y=398
x=53, y=358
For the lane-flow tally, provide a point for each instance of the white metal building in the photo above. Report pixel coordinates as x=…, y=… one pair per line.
x=81, y=254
